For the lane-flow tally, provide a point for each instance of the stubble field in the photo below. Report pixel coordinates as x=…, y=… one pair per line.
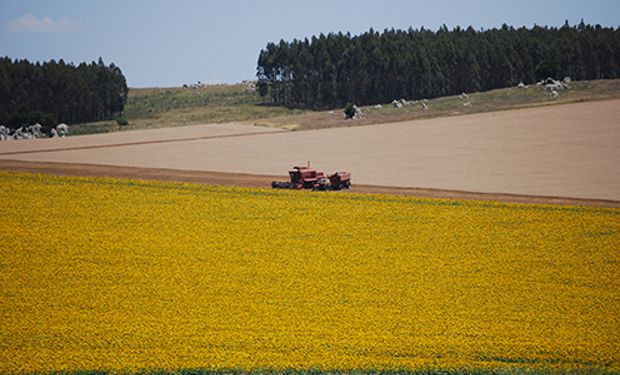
x=558, y=151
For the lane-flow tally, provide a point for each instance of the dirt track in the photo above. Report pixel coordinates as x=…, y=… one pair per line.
x=263, y=181
x=567, y=151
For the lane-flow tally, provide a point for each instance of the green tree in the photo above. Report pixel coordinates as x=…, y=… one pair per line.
x=331, y=70
x=547, y=68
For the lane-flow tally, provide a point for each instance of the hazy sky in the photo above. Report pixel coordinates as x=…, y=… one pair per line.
x=169, y=43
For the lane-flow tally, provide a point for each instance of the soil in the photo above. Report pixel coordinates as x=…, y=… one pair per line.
x=570, y=152
x=264, y=181
x=132, y=138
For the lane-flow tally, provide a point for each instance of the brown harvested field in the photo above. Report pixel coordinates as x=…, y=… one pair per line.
x=132, y=137
x=560, y=151
x=261, y=181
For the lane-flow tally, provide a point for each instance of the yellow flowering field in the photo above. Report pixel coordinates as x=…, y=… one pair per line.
x=122, y=275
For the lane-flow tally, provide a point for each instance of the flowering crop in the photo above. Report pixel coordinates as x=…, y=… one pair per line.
x=100, y=273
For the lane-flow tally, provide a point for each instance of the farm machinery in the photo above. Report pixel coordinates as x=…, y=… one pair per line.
x=310, y=178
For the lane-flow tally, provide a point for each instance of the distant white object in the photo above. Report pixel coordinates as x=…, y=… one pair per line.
x=567, y=79
x=554, y=86
x=397, y=104
x=53, y=133
x=551, y=84
x=424, y=106
x=378, y=106
x=467, y=104
x=554, y=94
x=62, y=129
x=35, y=130
x=464, y=96
x=521, y=85
x=5, y=133
x=19, y=133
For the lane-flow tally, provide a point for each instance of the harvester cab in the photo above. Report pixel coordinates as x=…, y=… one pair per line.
x=305, y=177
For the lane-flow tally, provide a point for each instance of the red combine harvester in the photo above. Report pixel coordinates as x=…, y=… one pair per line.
x=310, y=178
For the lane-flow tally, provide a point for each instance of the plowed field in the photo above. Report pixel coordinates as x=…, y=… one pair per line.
x=559, y=151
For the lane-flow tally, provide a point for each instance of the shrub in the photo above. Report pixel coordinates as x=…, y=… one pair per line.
x=349, y=110
x=122, y=121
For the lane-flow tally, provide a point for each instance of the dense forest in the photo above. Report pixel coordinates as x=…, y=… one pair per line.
x=329, y=71
x=55, y=92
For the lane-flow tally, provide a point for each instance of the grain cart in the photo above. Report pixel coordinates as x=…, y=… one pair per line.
x=340, y=180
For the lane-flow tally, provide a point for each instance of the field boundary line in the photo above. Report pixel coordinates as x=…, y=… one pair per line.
x=264, y=181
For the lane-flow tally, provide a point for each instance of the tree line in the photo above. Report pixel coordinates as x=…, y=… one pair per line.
x=54, y=91
x=331, y=70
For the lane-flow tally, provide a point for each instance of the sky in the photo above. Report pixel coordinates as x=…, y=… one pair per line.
x=165, y=43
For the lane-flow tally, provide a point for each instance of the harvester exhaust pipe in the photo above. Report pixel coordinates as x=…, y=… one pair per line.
x=308, y=163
